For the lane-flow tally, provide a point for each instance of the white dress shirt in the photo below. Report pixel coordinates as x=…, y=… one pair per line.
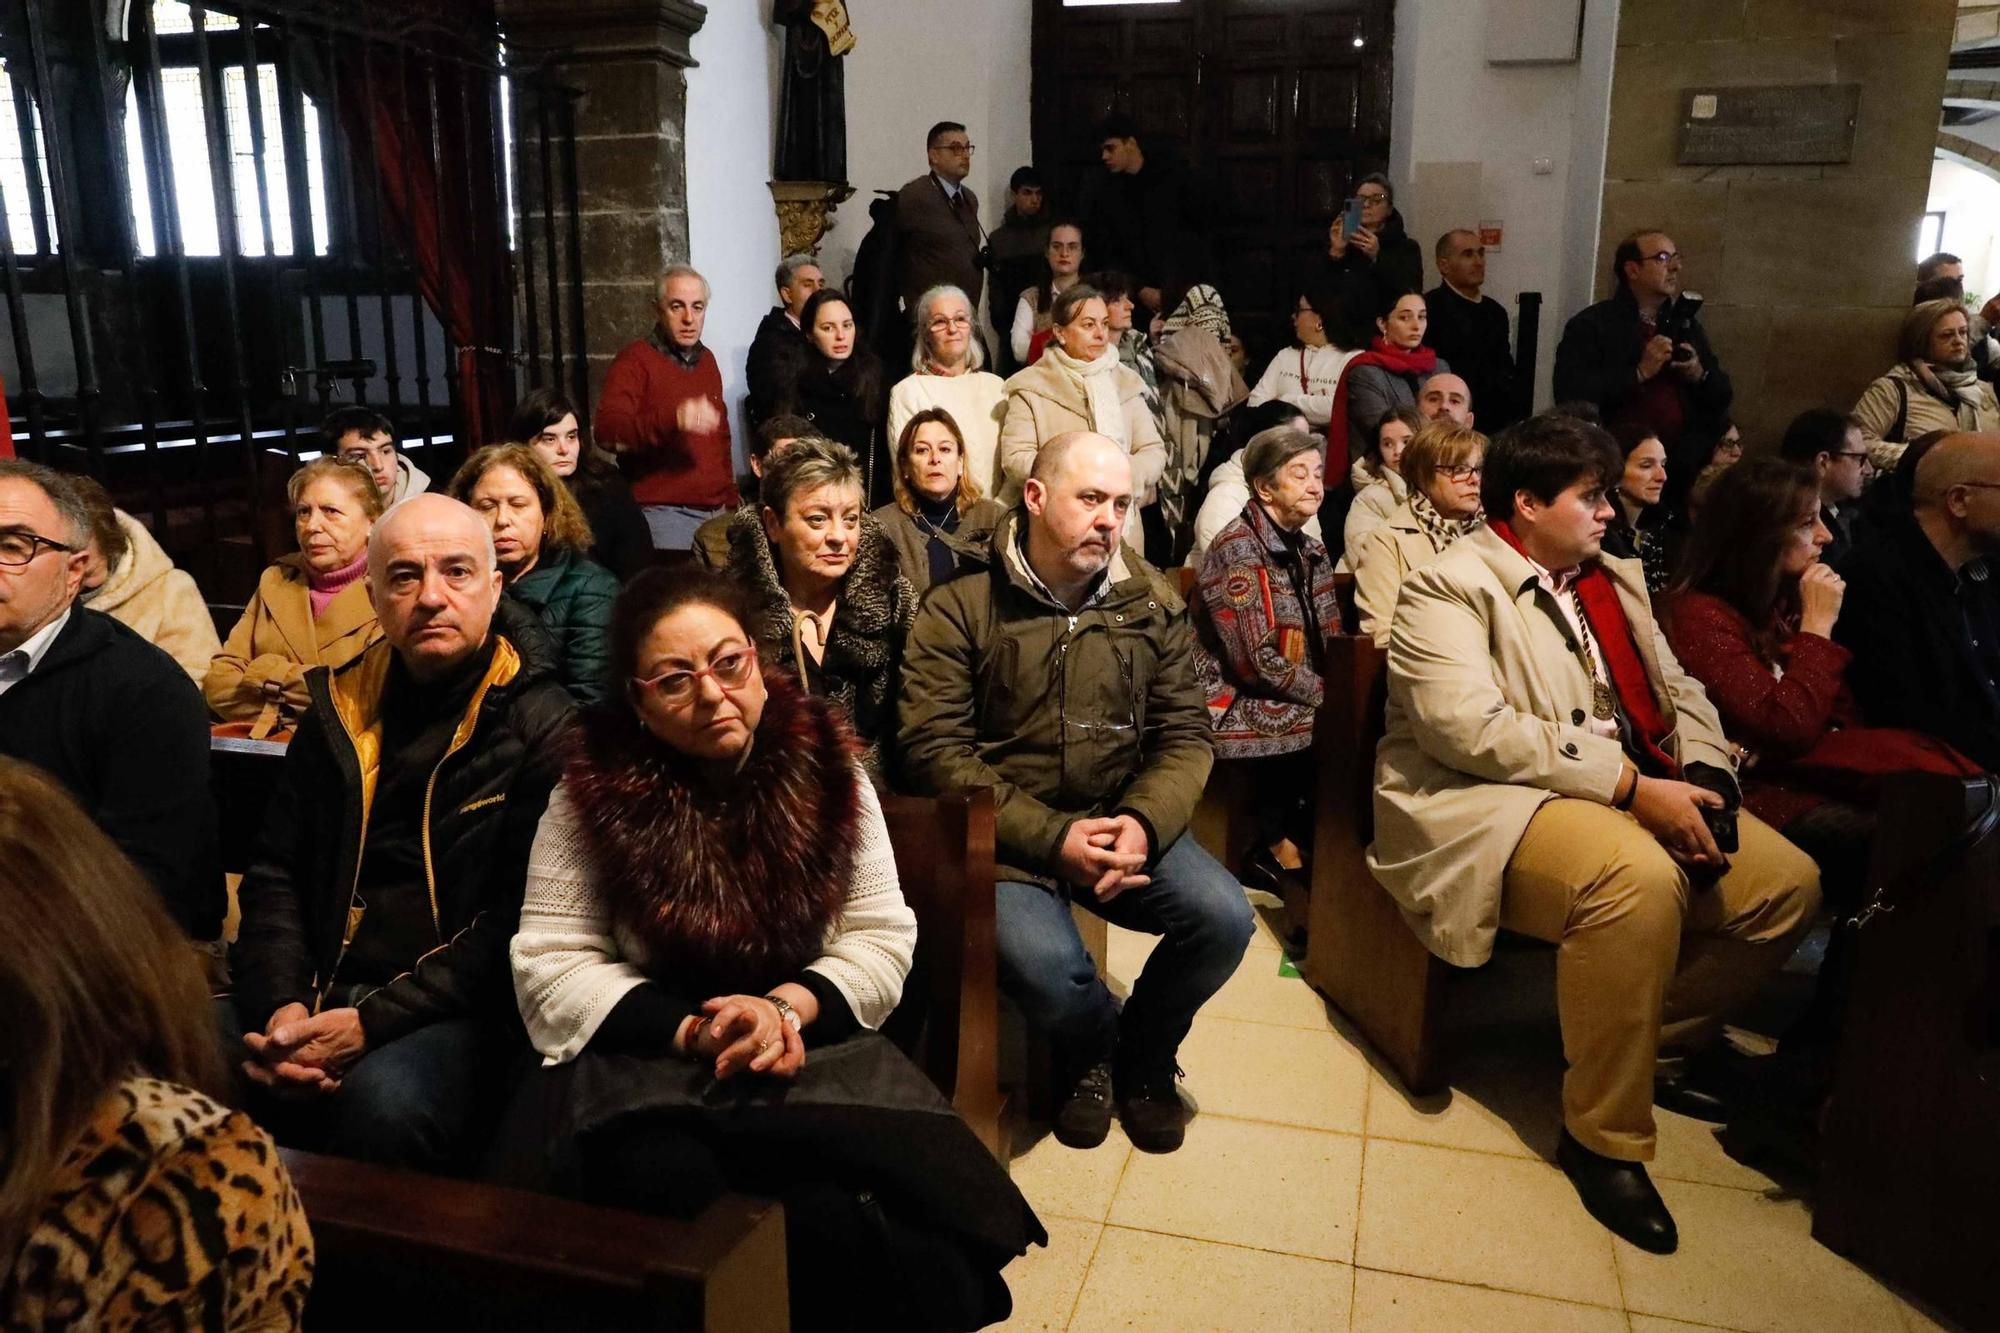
x=18, y=665
x=1559, y=587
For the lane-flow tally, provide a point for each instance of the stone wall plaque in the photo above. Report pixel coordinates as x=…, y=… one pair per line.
x=1783, y=125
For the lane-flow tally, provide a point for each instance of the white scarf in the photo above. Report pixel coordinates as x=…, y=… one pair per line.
x=1099, y=381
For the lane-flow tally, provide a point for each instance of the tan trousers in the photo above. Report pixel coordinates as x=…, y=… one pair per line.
x=1646, y=963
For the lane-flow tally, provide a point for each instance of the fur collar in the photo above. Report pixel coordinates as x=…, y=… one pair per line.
x=732, y=887
x=869, y=616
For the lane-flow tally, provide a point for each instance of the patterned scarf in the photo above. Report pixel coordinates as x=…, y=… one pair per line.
x=1203, y=309
x=1136, y=352
x=1441, y=531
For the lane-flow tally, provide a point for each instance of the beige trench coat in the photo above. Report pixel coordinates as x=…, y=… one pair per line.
x=1487, y=707
x=1382, y=561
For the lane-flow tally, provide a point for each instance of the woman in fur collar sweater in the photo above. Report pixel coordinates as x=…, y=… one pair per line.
x=711, y=931
x=828, y=585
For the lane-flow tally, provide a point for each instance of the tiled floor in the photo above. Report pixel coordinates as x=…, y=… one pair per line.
x=1312, y=1194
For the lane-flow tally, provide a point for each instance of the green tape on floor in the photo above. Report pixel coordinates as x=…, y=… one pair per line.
x=1285, y=967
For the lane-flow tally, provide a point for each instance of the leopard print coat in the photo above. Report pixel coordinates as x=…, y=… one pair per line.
x=170, y=1212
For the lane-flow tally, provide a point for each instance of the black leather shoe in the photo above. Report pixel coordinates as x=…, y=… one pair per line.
x=1084, y=1118
x=1685, y=1096
x=1620, y=1195
x=1150, y=1106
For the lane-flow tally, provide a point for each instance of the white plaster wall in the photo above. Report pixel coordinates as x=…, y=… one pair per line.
x=1464, y=136
x=1970, y=202
x=732, y=104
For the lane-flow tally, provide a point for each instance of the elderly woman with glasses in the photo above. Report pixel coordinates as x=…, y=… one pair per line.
x=712, y=935
x=948, y=371
x=1933, y=386
x=1442, y=465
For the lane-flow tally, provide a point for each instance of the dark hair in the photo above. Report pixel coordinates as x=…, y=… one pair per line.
x=1272, y=412
x=105, y=531
x=345, y=421
x=1815, y=431
x=1443, y=246
x=1545, y=456
x=69, y=505
x=1928, y=269
x=1409, y=416
x=1111, y=284
x=1070, y=300
x=536, y=412
x=861, y=372
x=1739, y=538
x=825, y=296
x=1630, y=434
x=655, y=593
x=1581, y=409
x=1024, y=178
x=1117, y=125
x=940, y=129
x=968, y=486
x=1628, y=253
x=1377, y=178
x=1938, y=289
x=783, y=426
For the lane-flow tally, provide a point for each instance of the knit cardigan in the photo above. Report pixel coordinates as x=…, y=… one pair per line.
x=572, y=965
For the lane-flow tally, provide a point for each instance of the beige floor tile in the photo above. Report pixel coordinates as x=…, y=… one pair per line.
x=1258, y=1072
x=1481, y=1219
x=1144, y=1280
x=1395, y=1303
x=1126, y=952
x=1496, y=1105
x=1257, y=994
x=1264, y=936
x=1066, y=1182
x=1645, y=1323
x=1747, y=1261
x=1688, y=1150
x=1270, y=1187
x=1045, y=1281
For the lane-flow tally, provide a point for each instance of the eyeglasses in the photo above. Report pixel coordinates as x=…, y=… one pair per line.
x=677, y=689
x=946, y=323
x=956, y=147
x=1859, y=455
x=1665, y=258
x=19, y=548
x=1373, y=198
x=1462, y=471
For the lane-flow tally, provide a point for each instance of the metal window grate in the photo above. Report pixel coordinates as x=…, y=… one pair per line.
x=21, y=229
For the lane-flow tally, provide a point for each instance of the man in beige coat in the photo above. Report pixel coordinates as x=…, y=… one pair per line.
x=1549, y=768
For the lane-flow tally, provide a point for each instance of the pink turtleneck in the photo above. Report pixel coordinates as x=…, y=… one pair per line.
x=325, y=587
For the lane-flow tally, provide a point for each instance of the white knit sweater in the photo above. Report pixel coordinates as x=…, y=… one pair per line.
x=572, y=965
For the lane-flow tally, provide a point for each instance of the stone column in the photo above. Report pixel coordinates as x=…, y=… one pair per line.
x=626, y=58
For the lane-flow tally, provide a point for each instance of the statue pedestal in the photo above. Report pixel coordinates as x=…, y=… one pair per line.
x=805, y=212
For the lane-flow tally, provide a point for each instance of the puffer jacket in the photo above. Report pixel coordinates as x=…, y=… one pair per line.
x=572, y=597
x=1064, y=716
x=486, y=797
x=161, y=602
x=871, y=619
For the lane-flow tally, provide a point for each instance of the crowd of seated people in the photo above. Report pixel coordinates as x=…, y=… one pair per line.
x=532, y=780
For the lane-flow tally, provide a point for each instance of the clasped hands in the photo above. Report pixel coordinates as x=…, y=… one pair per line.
x=1105, y=855
x=742, y=1032
x=300, y=1052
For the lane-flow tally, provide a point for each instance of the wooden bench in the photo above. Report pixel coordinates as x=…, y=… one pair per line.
x=399, y=1250
x=1361, y=954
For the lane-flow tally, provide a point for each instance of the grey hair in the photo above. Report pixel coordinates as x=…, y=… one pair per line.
x=1269, y=451
x=673, y=271
x=68, y=504
x=975, y=352
x=806, y=465
x=788, y=268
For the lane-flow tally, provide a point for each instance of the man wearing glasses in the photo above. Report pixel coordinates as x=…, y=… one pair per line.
x=1643, y=357
x=1060, y=675
x=1832, y=444
x=104, y=712
x=937, y=222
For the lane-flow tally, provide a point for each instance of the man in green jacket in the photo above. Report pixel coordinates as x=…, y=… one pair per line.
x=1059, y=675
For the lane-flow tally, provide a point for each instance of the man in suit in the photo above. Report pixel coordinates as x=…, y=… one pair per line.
x=1546, y=766
x=937, y=221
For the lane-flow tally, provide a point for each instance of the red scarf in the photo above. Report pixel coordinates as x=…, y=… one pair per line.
x=1395, y=360
x=1605, y=615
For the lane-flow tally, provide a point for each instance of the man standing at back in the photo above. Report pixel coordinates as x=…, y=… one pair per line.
x=779, y=334
x=374, y=995
x=1140, y=217
x=1019, y=248
x=937, y=222
x=106, y=714
x=1060, y=676
x=1470, y=330
x=662, y=413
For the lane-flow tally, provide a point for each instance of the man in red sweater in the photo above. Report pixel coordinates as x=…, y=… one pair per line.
x=662, y=413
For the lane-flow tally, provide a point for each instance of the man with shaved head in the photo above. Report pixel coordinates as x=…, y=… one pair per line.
x=371, y=967
x=1471, y=332
x=1445, y=395
x=1058, y=672
x=1922, y=611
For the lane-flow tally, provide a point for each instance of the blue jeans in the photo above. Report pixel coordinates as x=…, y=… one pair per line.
x=1192, y=901
x=423, y=1101
x=673, y=526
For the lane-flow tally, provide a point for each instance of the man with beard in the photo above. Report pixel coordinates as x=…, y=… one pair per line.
x=1060, y=675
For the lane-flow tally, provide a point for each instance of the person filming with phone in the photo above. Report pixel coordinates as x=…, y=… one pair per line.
x=1371, y=259
x=1643, y=357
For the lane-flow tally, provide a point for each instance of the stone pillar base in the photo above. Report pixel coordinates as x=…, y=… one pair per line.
x=805, y=212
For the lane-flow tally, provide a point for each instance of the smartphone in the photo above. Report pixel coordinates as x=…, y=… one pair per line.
x=1351, y=219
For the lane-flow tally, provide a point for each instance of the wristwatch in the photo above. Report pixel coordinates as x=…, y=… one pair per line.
x=786, y=1012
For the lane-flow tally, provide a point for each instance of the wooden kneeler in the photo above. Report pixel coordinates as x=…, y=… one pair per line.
x=1361, y=954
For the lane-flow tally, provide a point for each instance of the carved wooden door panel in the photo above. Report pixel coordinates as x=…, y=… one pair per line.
x=1278, y=106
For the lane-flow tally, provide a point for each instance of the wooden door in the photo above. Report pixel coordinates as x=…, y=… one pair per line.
x=1273, y=104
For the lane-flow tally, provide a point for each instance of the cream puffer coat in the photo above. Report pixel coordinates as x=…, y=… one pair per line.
x=159, y=601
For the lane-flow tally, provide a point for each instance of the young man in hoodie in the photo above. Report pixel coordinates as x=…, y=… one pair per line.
x=363, y=435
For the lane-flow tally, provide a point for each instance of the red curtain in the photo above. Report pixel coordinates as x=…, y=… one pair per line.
x=443, y=198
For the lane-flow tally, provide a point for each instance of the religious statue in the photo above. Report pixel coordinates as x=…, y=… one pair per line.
x=812, y=98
